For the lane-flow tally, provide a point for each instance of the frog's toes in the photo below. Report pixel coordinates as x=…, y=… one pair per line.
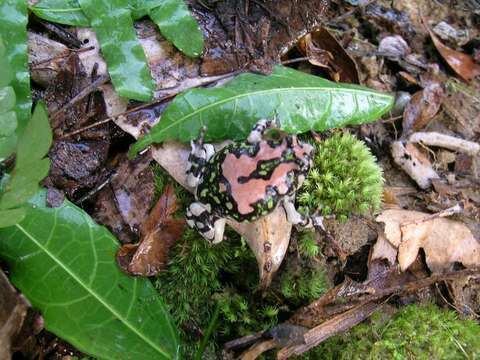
x=210, y=226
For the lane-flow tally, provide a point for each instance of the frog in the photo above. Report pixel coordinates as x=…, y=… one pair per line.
x=247, y=179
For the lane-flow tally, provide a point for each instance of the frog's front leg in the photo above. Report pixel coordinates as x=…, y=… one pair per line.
x=199, y=155
x=295, y=218
x=210, y=226
x=258, y=130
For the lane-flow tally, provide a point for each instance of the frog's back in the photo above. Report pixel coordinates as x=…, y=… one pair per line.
x=245, y=181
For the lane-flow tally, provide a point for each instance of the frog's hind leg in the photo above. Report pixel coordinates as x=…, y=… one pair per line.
x=199, y=155
x=210, y=226
x=295, y=218
x=258, y=130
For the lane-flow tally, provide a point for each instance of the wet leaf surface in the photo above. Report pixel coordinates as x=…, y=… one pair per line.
x=299, y=101
x=118, y=306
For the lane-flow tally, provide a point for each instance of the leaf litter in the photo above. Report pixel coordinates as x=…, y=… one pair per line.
x=255, y=37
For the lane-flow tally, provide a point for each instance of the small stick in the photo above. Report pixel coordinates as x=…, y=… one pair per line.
x=446, y=141
x=63, y=34
x=86, y=91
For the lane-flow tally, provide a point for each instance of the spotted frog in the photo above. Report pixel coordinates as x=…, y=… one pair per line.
x=246, y=180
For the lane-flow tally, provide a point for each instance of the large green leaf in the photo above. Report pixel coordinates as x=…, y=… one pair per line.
x=177, y=25
x=67, y=12
x=13, y=29
x=31, y=166
x=127, y=65
x=64, y=263
x=300, y=102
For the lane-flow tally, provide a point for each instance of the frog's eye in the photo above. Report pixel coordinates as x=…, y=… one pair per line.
x=275, y=134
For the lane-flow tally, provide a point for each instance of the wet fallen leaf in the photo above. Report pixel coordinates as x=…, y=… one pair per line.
x=461, y=63
x=13, y=309
x=322, y=49
x=444, y=241
x=133, y=189
x=422, y=107
x=393, y=46
x=159, y=233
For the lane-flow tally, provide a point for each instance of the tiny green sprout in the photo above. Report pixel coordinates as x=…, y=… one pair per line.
x=344, y=179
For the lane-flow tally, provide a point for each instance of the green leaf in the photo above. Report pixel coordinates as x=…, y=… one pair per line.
x=11, y=217
x=6, y=73
x=123, y=53
x=13, y=28
x=64, y=263
x=7, y=99
x=299, y=101
x=177, y=25
x=30, y=166
x=140, y=8
x=67, y=12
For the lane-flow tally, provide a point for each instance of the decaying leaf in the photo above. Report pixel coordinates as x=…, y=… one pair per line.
x=13, y=309
x=444, y=241
x=461, y=63
x=268, y=237
x=422, y=107
x=322, y=49
x=159, y=233
x=393, y=46
x=414, y=163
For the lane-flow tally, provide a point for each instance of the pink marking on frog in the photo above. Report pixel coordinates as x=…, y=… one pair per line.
x=254, y=190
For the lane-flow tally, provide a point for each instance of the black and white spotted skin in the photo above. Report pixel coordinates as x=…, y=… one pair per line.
x=246, y=180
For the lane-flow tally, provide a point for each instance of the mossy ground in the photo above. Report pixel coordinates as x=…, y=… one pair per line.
x=201, y=278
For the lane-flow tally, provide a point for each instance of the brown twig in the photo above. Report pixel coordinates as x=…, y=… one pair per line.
x=85, y=92
x=329, y=328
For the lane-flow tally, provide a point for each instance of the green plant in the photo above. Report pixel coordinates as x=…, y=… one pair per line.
x=302, y=285
x=64, y=264
x=345, y=178
x=286, y=93
x=414, y=332
x=307, y=244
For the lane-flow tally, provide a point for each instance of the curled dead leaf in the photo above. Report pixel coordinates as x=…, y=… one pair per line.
x=159, y=233
x=461, y=63
x=423, y=106
x=444, y=241
x=322, y=49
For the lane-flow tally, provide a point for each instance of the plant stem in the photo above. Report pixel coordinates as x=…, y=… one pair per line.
x=211, y=326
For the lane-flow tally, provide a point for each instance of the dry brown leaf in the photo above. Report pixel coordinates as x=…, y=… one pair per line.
x=159, y=233
x=461, y=63
x=444, y=241
x=268, y=237
x=325, y=51
x=423, y=106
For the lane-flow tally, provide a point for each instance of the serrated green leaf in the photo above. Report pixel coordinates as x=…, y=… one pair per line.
x=140, y=8
x=67, y=12
x=11, y=217
x=177, y=25
x=34, y=143
x=64, y=263
x=13, y=28
x=30, y=165
x=7, y=99
x=299, y=101
x=127, y=64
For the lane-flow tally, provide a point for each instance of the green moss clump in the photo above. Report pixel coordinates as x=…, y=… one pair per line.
x=414, y=332
x=345, y=178
x=307, y=245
